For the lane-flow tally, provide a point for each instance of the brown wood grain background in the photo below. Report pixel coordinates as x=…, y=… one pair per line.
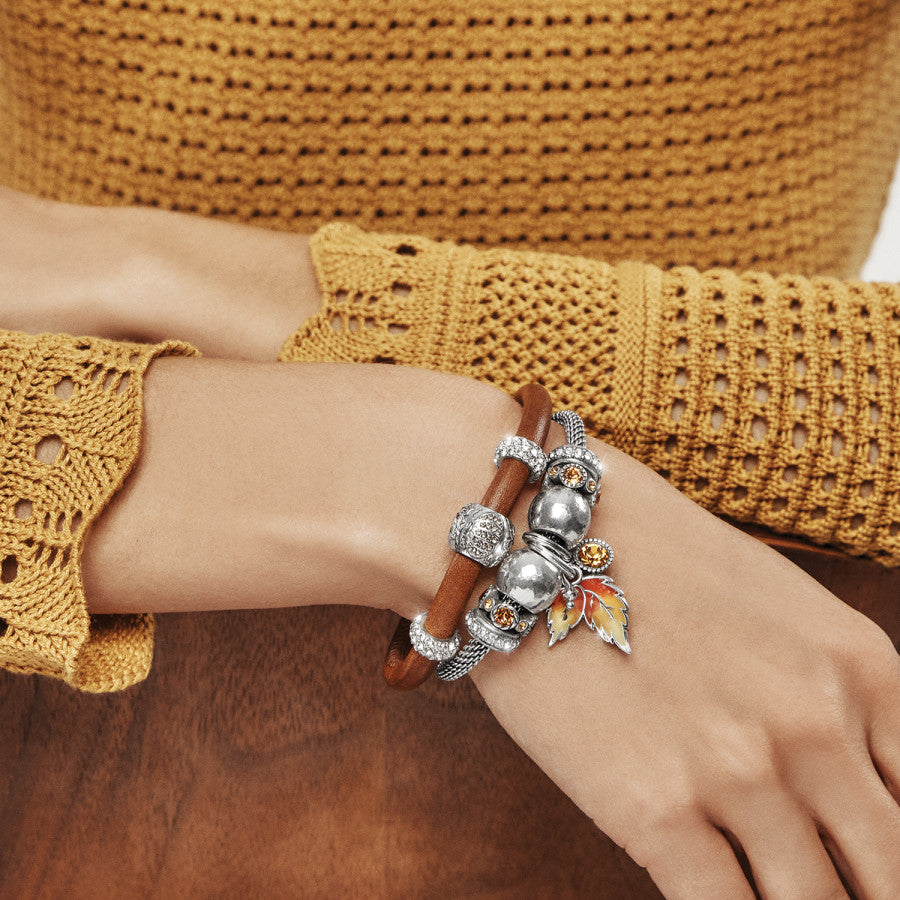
x=253, y=762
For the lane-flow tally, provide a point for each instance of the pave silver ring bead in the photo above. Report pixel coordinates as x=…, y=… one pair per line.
x=431, y=647
x=524, y=450
x=481, y=534
x=576, y=468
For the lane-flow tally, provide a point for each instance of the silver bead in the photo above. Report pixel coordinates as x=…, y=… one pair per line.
x=560, y=511
x=528, y=579
x=481, y=534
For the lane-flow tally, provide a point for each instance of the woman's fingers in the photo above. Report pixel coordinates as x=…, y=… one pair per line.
x=784, y=849
x=884, y=742
x=692, y=860
x=863, y=821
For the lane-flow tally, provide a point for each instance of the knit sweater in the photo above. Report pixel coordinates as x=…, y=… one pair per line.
x=658, y=150
x=70, y=420
x=740, y=133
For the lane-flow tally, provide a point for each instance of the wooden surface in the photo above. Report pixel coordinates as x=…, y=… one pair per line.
x=242, y=768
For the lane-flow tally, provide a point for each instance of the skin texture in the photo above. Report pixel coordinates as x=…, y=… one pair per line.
x=756, y=720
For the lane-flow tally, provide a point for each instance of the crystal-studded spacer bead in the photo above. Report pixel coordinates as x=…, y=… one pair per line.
x=429, y=646
x=526, y=451
x=569, y=451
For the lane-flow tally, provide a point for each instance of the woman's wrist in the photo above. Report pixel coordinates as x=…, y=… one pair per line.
x=273, y=485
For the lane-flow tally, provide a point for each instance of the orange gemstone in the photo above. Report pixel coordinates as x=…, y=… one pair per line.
x=503, y=617
x=592, y=486
x=593, y=555
x=522, y=626
x=572, y=475
x=553, y=472
x=488, y=604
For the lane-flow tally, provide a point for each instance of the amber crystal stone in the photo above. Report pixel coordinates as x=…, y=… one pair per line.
x=572, y=476
x=503, y=617
x=592, y=486
x=593, y=555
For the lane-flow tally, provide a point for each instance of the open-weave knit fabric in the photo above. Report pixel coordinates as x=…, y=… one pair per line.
x=773, y=400
x=70, y=424
x=741, y=133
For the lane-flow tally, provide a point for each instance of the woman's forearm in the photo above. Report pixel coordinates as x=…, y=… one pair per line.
x=233, y=291
x=260, y=484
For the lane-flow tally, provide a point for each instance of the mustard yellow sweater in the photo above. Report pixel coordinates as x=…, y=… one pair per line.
x=668, y=203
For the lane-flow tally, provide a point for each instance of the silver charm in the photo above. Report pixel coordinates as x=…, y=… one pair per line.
x=528, y=452
x=559, y=570
x=429, y=646
x=498, y=623
x=559, y=511
x=554, y=553
x=481, y=534
x=576, y=468
x=529, y=579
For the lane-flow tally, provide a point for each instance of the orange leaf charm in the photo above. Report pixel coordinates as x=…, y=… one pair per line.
x=601, y=603
x=606, y=610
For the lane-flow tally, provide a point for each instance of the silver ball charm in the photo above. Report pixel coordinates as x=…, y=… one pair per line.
x=560, y=511
x=529, y=579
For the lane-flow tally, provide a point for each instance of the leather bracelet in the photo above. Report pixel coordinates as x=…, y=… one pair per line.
x=404, y=667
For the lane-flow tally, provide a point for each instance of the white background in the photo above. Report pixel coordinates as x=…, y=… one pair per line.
x=883, y=263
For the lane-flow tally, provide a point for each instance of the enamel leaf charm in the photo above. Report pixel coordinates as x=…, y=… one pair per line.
x=601, y=603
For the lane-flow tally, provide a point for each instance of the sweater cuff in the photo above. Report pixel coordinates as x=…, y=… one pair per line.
x=70, y=424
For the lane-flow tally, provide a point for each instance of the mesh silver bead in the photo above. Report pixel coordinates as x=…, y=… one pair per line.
x=529, y=579
x=560, y=511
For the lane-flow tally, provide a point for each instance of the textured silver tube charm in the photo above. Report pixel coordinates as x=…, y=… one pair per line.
x=481, y=534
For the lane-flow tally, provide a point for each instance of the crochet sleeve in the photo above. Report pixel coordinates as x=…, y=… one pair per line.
x=70, y=424
x=768, y=399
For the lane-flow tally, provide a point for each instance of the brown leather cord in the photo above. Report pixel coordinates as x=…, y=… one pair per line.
x=406, y=669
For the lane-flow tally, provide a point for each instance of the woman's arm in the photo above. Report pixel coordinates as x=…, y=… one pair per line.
x=756, y=709
x=266, y=485
x=233, y=291
x=757, y=714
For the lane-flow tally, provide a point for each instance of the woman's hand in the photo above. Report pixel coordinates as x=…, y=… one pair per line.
x=756, y=710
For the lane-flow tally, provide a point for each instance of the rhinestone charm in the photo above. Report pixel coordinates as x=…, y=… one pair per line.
x=528, y=452
x=481, y=534
x=504, y=626
x=431, y=647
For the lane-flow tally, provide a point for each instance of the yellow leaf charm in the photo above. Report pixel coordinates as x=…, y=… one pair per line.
x=601, y=603
x=561, y=620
